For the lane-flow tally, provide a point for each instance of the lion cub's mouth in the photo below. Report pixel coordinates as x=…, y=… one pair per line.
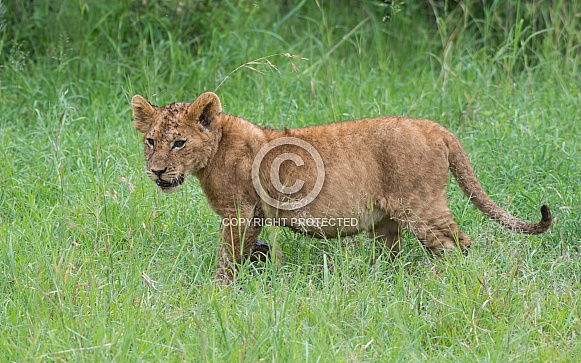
x=170, y=184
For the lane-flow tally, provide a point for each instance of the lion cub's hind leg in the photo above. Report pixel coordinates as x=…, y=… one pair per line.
x=435, y=227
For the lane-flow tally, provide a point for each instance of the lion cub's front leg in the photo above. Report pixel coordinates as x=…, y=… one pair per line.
x=239, y=243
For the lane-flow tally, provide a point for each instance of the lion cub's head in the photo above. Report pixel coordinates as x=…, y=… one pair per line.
x=179, y=138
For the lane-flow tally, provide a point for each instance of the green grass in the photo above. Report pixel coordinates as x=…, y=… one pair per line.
x=97, y=265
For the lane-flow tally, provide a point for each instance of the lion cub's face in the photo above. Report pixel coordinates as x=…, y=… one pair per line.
x=179, y=138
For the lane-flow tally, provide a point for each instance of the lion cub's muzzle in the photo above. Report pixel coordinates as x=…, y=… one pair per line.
x=170, y=184
x=167, y=185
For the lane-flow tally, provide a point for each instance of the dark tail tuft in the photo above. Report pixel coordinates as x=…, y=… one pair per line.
x=545, y=222
x=546, y=213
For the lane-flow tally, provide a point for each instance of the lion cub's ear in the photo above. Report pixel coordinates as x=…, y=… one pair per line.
x=143, y=113
x=205, y=109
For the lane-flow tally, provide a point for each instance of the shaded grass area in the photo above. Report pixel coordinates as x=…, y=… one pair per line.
x=97, y=265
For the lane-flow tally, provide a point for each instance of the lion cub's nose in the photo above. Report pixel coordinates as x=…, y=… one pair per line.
x=158, y=172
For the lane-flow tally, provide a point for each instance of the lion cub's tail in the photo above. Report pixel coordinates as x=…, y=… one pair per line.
x=464, y=174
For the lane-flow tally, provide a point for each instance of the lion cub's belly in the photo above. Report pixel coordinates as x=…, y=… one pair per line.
x=325, y=223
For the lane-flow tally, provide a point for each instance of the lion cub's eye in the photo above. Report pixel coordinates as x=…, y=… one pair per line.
x=150, y=142
x=178, y=144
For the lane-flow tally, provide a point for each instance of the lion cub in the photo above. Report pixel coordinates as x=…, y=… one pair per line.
x=377, y=175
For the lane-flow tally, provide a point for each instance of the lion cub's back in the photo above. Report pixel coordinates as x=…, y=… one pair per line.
x=371, y=158
x=373, y=137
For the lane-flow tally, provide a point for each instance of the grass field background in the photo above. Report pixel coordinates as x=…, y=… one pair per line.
x=97, y=265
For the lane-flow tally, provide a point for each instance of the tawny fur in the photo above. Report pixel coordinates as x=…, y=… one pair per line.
x=387, y=173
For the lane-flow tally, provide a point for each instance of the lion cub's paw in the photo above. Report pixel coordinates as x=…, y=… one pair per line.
x=262, y=251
